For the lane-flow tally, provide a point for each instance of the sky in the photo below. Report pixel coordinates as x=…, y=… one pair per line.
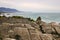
x=32, y=5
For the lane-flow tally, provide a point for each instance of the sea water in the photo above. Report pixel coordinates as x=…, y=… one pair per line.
x=47, y=17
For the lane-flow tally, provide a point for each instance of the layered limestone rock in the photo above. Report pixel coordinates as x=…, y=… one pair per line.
x=28, y=33
x=57, y=29
x=23, y=32
x=8, y=39
x=24, y=29
x=47, y=37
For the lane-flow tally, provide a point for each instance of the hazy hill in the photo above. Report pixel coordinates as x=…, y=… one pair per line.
x=3, y=9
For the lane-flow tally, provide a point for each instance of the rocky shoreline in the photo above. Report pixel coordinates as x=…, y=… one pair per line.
x=20, y=28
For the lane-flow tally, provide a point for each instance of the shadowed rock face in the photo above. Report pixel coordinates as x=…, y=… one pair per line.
x=38, y=21
x=24, y=29
x=17, y=37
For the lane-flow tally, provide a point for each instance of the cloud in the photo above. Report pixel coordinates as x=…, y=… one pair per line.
x=31, y=5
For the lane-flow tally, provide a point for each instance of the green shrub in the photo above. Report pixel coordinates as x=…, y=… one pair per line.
x=2, y=16
x=30, y=19
x=17, y=17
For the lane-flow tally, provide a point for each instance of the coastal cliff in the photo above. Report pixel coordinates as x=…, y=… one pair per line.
x=20, y=28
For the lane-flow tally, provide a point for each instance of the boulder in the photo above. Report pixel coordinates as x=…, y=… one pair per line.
x=22, y=32
x=34, y=34
x=57, y=29
x=46, y=28
x=28, y=33
x=46, y=37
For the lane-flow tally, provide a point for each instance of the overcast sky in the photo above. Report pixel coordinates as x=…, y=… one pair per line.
x=32, y=5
